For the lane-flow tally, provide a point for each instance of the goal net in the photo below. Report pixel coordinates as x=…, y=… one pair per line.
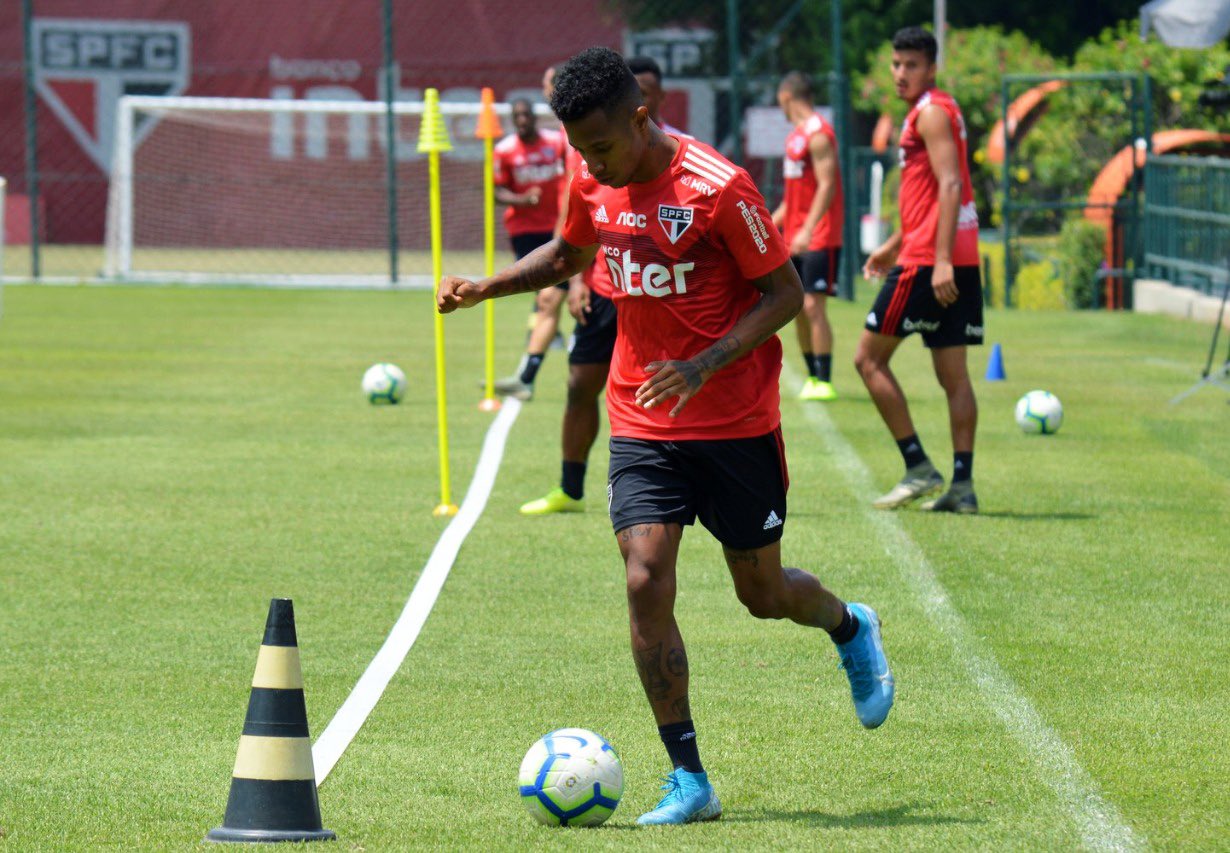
x=286, y=192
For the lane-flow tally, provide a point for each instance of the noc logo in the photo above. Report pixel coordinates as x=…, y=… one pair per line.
x=674, y=220
x=83, y=67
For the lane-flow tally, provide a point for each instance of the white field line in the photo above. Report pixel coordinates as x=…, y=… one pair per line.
x=1099, y=823
x=367, y=691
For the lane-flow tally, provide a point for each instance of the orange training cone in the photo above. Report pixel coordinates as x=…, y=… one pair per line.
x=273, y=788
x=488, y=122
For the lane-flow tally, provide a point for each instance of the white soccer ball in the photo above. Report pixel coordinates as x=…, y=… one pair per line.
x=384, y=383
x=571, y=777
x=1039, y=412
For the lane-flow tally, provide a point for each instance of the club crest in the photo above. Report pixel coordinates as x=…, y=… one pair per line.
x=83, y=67
x=674, y=220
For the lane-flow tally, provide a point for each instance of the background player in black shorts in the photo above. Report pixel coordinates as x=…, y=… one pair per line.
x=810, y=218
x=529, y=171
x=933, y=285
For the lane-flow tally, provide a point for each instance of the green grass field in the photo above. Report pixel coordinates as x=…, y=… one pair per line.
x=170, y=459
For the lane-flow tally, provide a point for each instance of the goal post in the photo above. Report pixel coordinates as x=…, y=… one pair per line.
x=279, y=192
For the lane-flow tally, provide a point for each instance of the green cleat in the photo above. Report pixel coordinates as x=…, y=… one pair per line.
x=959, y=498
x=918, y=482
x=815, y=389
x=556, y=500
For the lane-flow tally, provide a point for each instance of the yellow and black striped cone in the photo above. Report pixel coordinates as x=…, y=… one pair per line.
x=273, y=788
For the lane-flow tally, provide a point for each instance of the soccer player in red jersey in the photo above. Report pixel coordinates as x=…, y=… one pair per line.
x=934, y=285
x=701, y=282
x=529, y=169
x=810, y=219
x=649, y=78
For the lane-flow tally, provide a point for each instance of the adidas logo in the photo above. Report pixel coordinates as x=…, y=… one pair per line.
x=871, y=319
x=772, y=521
x=600, y=214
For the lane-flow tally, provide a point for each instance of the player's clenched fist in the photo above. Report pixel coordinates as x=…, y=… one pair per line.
x=456, y=293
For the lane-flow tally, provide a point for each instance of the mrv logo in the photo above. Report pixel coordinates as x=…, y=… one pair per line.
x=654, y=280
x=83, y=67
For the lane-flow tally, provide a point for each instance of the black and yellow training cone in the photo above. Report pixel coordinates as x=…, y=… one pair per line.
x=273, y=788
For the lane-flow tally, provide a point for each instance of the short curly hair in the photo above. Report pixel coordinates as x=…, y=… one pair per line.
x=596, y=78
x=916, y=38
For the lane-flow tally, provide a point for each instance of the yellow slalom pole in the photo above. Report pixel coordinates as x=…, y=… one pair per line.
x=433, y=138
x=489, y=130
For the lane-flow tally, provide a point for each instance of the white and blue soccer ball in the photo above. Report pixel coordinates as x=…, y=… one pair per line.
x=384, y=383
x=1039, y=413
x=571, y=777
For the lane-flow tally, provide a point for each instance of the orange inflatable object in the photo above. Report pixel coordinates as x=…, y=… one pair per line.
x=1020, y=117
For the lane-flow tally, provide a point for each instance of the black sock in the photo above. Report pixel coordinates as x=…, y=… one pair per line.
x=572, y=481
x=912, y=451
x=824, y=367
x=962, y=466
x=810, y=361
x=845, y=632
x=680, y=741
x=533, y=361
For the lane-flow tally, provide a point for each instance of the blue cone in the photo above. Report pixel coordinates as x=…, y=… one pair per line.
x=995, y=367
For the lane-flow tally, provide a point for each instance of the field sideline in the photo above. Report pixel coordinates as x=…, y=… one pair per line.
x=172, y=458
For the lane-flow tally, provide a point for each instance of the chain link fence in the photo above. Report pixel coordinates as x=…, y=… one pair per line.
x=65, y=64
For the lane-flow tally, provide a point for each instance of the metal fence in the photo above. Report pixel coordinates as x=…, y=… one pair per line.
x=1187, y=220
x=64, y=64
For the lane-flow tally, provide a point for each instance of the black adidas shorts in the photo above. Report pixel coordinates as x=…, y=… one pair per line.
x=817, y=270
x=906, y=304
x=736, y=486
x=594, y=342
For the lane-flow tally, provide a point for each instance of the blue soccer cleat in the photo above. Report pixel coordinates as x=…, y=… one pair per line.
x=871, y=681
x=689, y=797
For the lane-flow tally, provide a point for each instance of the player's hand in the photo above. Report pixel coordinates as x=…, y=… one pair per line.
x=880, y=262
x=532, y=196
x=944, y=284
x=578, y=300
x=799, y=242
x=668, y=379
x=456, y=293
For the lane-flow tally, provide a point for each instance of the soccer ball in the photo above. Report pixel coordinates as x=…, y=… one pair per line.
x=384, y=383
x=571, y=777
x=1039, y=412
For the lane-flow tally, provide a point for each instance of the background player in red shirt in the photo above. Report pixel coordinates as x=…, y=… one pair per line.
x=934, y=285
x=701, y=283
x=810, y=219
x=649, y=78
x=529, y=170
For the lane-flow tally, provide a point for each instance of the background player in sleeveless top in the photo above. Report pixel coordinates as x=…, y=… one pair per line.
x=531, y=220
x=701, y=283
x=934, y=285
x=810, y=219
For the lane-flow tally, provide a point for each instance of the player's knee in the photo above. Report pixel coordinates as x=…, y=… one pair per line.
x=865, y=363
x=648, y=590
x=580, y=391
x=761, y=601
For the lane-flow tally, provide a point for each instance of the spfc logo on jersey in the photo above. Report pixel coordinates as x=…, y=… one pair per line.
x=674, y=220
x=83, y=67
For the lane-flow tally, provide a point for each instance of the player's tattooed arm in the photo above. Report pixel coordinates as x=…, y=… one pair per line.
x=549, y=264
x=780, y=300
